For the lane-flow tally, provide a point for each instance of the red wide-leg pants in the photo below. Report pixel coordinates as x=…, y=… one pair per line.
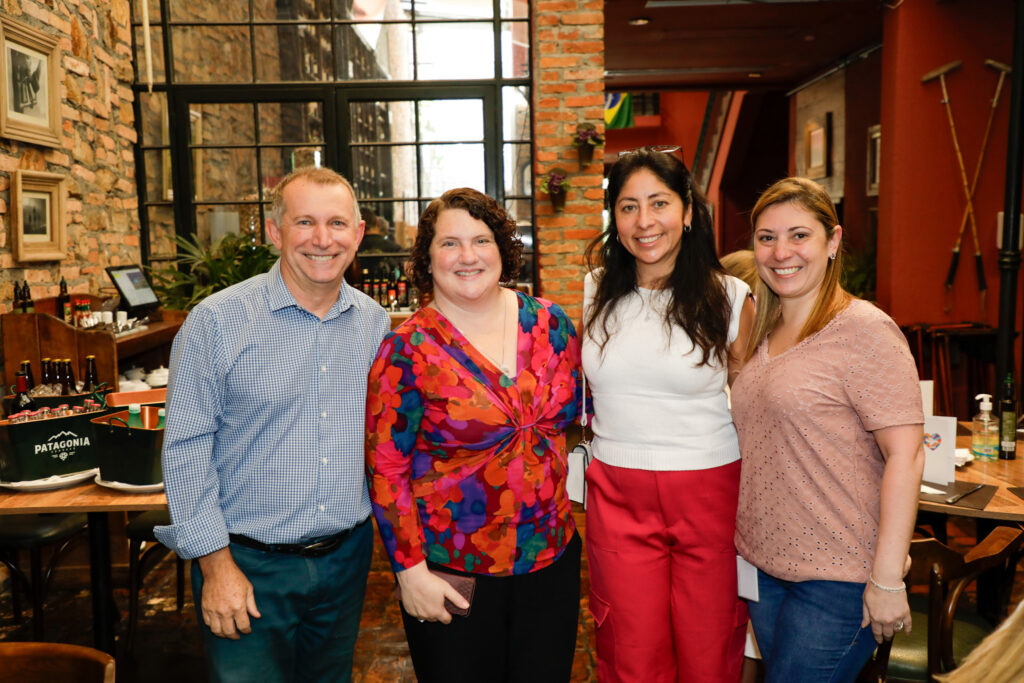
x=663, y=574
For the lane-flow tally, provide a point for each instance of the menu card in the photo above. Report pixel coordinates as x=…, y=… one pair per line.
x=939, y=449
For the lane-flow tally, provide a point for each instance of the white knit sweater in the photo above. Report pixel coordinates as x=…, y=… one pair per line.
x=654, y=407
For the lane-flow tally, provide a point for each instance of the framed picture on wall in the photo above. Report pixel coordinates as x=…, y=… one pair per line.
x=818, y=147
x=37, y=202
x=30, y=96
x=874, y=162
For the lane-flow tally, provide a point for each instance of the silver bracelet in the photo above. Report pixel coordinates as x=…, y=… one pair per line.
x=899, y=589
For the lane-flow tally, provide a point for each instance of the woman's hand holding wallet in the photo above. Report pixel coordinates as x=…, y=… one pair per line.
x=423, y=594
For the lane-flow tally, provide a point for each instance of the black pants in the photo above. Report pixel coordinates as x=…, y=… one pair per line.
x=520, y=629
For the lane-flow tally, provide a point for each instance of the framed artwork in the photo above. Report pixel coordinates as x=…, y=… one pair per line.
x=37, y=203
x=874, y=162
x=30, y=95
x=818, y=147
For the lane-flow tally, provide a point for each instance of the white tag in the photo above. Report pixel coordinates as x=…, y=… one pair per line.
x=746, y=579
x=575, y=480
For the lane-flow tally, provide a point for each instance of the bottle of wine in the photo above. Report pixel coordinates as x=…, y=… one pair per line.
x=1008, y=421
x=16, y=302
x=62, y=300
x=161, y=417
x=22, y=401
x=27, y=305
x=403, y=291
x=92, y=379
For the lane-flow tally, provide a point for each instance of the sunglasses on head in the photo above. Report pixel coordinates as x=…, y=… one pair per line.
x=664, y=149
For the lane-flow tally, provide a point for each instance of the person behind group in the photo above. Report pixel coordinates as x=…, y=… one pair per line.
x=263, y=448
x=999, y=658
x=664, y=330
x=466, y=454
x=740, y=264
x=829, y=416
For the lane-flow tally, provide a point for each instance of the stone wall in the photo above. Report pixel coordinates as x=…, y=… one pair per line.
x=96, y=152
x=569, y=90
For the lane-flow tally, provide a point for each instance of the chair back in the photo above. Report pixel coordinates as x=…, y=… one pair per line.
x=51, y=662
x=947, y=574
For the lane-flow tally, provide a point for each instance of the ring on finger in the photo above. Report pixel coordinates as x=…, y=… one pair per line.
x=898, y=626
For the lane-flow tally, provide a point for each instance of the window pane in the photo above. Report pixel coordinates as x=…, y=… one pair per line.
x=291, y=122
x=212, y=54
x=156, y=51
x=153, y=109
x=518, y=167
x=154, y=11
x=208, y=12
x=371, y=10
x=293, y=52
x=464, y=9
x=224, y=174
x=448, y=166
x=382, y=121
x=515, y=9
x=382, y=171
x=214, y=222
x=435, y=58
x=451, y=120
x=400, y=217
x=515, y=112
x=158, y=175
x=269, y=10
x=515, y=49
x=161, y=231
x=277, y=162
x=379, y=52
x=220, y=123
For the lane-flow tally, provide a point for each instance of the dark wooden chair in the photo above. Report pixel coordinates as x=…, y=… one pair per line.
x=33, y=533
x=53, y=662
x=942, y=635
x=140, y=531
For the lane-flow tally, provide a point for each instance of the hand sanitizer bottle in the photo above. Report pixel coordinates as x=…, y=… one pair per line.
x=985, y=430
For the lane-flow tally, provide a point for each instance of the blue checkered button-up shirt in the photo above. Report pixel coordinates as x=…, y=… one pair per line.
x=266, y=413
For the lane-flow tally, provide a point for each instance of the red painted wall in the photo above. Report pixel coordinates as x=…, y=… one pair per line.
x=682, y=114
x=921, y=197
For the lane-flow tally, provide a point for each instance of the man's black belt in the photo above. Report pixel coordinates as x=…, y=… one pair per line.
x=314, y=548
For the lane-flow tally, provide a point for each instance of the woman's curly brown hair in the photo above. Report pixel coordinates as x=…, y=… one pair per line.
x=479, y=206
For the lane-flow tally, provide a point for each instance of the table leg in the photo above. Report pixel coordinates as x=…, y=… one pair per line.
x=102, y=591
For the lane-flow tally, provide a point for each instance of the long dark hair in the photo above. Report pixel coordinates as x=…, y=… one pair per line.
x=699, y=301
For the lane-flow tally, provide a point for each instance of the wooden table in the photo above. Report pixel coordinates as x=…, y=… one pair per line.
x=96, y=501
x=1004, y=506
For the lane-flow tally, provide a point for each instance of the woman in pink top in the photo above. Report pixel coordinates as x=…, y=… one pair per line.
x=828, y=412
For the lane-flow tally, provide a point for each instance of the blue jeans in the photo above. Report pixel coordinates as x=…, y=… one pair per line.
x=310, y=609
x=809, y=631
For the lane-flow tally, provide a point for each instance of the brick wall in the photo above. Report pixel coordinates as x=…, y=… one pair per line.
x=96, y=153
x=569, y=77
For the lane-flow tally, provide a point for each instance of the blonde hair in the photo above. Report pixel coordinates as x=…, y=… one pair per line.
x=313, y=174
x=741, y=264
x=832, y=298
x=998, y=659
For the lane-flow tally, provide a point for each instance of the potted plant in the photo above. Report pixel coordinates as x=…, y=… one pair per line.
x=585, y=140
x=555, y=185
x=200, y=270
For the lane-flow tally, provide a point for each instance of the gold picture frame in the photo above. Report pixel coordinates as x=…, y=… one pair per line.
x=818, y=147
x=30, y=94
x=874, y=159
x=37, y=203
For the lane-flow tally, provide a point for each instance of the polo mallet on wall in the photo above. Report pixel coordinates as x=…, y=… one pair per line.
x=1003, y=70
x=940, y=73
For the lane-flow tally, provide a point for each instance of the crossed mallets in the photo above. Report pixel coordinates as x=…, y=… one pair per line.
x=940, y=74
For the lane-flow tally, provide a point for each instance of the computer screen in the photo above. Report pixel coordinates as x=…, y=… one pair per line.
x=133, y=285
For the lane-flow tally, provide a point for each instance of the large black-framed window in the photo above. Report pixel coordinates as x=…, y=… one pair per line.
x=406, y=98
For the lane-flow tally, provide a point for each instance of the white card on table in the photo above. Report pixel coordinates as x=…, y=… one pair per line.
x=927, y=396
x=939, y=449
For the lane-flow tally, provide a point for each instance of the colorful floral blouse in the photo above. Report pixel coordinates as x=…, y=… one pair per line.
x=467, y=466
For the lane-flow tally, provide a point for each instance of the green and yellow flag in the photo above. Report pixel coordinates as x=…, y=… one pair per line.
x=618, y=110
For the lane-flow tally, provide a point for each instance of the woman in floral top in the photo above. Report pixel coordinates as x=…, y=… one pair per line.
x=467, y=408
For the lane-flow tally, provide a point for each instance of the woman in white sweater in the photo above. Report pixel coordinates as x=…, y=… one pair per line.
x=664, y=329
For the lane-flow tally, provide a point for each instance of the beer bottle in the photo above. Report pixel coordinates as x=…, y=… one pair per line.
x=22, y=401
x=44, y=372
x=91, y=378
x=135, y=415
x=403, y=291
x=26, y=367
x=28, y=306
x=161, y=414
x=62, y=300
x=69, y=375
x=365, y=284
x=16, y=302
